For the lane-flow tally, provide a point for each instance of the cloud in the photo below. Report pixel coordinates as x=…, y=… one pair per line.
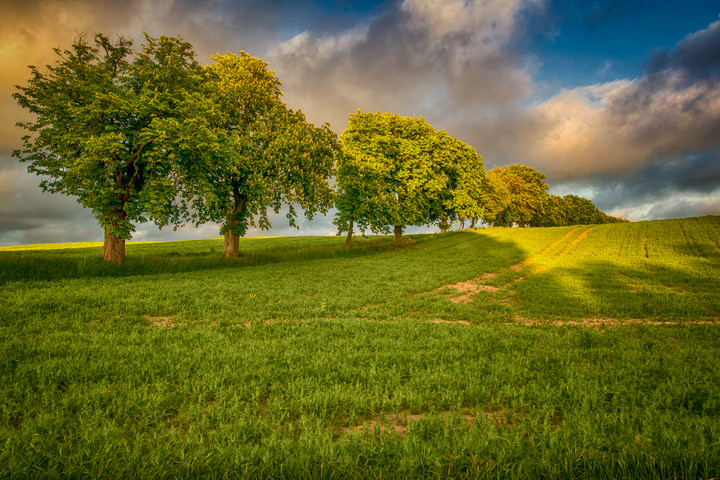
x=422, y=57
x=696, y=57
x=635, y=142
x=27, y=215
x=674, y=206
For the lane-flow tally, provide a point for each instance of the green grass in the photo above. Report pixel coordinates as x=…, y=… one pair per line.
x=571, y=352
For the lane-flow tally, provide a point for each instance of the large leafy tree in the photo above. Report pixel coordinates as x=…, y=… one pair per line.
x=268, y=155
x=526, y=191
x=399, y=171
x=120, y=130
x=495, y=196
x=385, y=173
x=463, y=169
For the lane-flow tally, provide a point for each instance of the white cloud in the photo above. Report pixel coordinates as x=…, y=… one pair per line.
x=323, y=48
x=490, y=23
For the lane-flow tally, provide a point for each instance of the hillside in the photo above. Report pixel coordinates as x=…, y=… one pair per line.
x=569, y=351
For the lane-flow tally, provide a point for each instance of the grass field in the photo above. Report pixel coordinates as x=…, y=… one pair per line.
x=572, y=352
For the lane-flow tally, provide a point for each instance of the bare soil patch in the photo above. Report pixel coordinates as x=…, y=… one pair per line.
x=457, y=322
x=166, y=322
x=602, y=323
x=399, y=423
x=466, y=290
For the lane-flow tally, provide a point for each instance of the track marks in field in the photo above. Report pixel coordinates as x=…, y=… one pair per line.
x=465, y=291
x=574, y=243
x=544, y=259
x=692, y=245
x=714, y=243
x=531, y=259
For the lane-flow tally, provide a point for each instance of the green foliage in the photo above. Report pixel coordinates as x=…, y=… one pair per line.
x=118, y=129
x=571, y=210
x=461, y=198
x=152, y=135
x=526, y=190
x=288, y=364
x=517, y=194
x=268, y=154
x=398, y=171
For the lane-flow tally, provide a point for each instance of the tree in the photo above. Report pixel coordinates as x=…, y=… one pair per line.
x=119, y=130
x=527, y=191
x=399, y=171
x=461, y=199
x=554, y=212
x=268, y=154
x=495, y=196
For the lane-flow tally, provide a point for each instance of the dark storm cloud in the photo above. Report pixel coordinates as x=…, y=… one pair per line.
x=696, y=57
x=683, y=207
x=692, y=68
x=694, y=174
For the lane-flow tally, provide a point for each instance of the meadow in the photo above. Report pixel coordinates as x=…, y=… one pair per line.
x=567, y=352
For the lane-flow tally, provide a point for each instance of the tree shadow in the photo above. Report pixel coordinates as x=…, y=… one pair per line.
x=156, y=258
x=165, y=258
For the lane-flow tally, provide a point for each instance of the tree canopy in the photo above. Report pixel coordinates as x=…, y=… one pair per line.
x=525, y=190
x=461, y=199
x=517, y=195
x=119, y=130
x=152, y=135
x=398, y=171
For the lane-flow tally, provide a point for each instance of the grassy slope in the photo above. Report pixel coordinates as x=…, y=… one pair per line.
x=302, y=358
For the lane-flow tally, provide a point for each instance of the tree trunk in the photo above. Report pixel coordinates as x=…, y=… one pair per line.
x=348, y=240
x=231, y=247
x=398, y=234
x=113, y=248
x=472, y=223
x=444, y=224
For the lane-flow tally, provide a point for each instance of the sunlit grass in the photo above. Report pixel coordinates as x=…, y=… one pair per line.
x=50, y=246
x=460, y=356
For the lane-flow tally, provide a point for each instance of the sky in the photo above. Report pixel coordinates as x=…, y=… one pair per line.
x=616, y=101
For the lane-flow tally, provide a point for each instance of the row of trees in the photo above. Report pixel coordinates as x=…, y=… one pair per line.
x=517, y=195
x=152, y=135
x=395, y=172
